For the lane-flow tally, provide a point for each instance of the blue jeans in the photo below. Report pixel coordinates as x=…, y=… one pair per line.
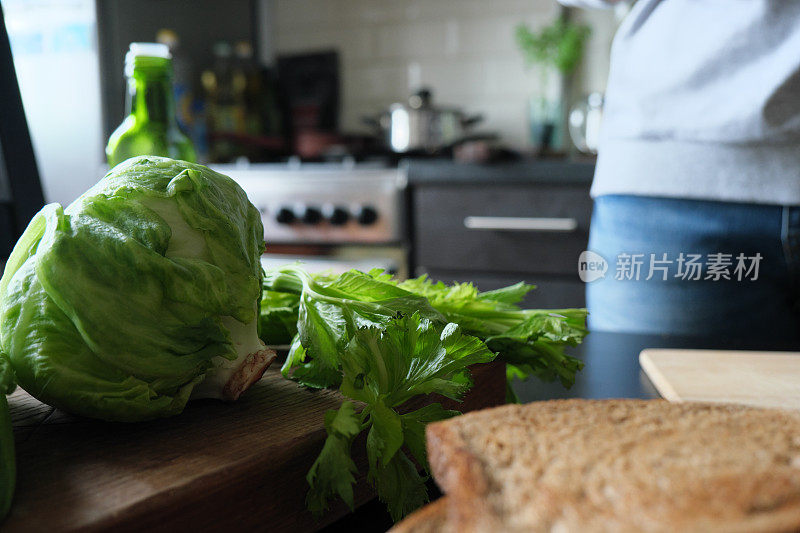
x=756, y=247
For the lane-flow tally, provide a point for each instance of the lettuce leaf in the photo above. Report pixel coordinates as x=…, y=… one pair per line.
x=121, y=305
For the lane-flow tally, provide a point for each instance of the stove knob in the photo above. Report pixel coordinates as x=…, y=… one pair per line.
x=367, y=215
x=336, y=215
x=285, y=216
x=312, y=215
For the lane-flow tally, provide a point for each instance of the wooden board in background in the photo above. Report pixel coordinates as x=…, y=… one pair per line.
x=216, y=467
x=763, y=379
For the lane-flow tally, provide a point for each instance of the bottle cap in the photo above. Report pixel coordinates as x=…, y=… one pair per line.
x=139, y=54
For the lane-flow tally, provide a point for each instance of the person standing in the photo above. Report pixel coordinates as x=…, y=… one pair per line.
x=697, y=183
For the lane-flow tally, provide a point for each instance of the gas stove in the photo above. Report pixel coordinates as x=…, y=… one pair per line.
x=325, y=203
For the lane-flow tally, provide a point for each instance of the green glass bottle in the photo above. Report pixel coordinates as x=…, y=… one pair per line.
x=150, y=127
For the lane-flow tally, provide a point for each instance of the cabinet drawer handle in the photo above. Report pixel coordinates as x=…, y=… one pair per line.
x=550, y=225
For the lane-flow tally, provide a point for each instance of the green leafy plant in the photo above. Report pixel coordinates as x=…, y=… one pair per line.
x=142, y=292
x=556, y=48
x=530, y=341
x=383, y=342
x=558, y=45
x=382, y=368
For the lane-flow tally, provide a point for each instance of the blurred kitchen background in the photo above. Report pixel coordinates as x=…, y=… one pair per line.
x=448, y=137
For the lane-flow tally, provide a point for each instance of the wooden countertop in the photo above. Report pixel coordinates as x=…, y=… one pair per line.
x=215, y=467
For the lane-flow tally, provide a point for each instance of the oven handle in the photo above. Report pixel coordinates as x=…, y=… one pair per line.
x=547, y=225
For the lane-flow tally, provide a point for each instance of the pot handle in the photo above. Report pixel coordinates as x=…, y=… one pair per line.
x=468, y=122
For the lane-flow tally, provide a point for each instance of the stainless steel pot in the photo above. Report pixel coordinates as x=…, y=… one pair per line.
x=418, y=125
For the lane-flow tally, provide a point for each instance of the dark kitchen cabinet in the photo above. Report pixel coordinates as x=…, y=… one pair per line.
x=551, y=292
x=495, y=234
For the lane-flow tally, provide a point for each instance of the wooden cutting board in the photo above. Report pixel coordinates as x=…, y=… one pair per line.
x=763, y=379
x=215, y=467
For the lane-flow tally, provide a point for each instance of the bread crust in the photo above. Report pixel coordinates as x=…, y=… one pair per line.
x=619, y=465
x=461, y=476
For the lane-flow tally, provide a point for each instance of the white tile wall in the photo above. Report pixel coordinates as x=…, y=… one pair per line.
x=463, y=49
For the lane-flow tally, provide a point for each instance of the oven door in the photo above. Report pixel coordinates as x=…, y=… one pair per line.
x=392, y=259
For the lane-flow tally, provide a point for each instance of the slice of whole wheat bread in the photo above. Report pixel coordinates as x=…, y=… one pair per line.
x=428, y=519
x=619, y=465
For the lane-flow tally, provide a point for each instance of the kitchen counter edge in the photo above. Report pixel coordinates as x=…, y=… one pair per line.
x=525, y=171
